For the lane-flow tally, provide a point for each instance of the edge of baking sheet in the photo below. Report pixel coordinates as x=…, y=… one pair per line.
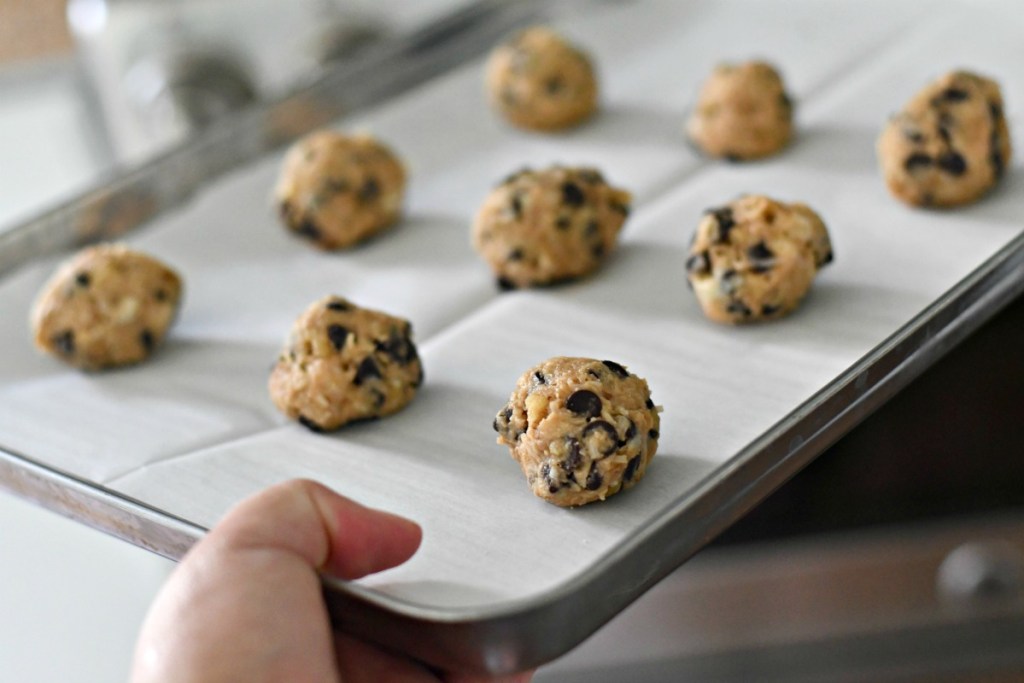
x=526, y=633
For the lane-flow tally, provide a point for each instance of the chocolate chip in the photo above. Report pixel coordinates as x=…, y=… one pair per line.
x=631, y=468
x=515, y=205
x=539, y=376
x=952, y=163
x=563, y=223
x=725, y=221
x=515, y=255
x=495, y=425
x=630, y=433
x=996, y=159
x=761, y=257
x=914, y=136
x=337, y=305
x=597, y=250
x=575, y=457
x=147, y=340
x=593, y=373
x=827, y=258
x=160, y=295
x=699, y=264
x=917, y=160
x=995, y=155
x=594, y=480
x=545, y=472
x=995, y=110
x=954, y=95
x=945, y=123
x=600, y=430
x=616, y=368
x=590, y=175
x=82, y=279
x=584, y=402
x=554, y=85
x=308, y=229
x=370, y=190
x=649, y=403
x=769, y=309
x=310, y=425
x=378, y=398
x=738, y=307
x=64, y=342
x=572, y=195
x=653, y=433
x=592, y=229
x=337, y=334
x=620, y=208
x=506, y=285
x=785, y=101
x=398, y=347
x=368, y=369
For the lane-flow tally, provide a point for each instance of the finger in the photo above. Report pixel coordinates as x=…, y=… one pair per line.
x=247, y=604
x=327, y=531
x=361, y=662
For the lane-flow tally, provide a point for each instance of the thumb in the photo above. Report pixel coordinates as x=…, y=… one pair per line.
x=326, y=531
x=246, y=601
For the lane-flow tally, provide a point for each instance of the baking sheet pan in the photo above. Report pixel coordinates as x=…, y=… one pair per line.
x=504, y=580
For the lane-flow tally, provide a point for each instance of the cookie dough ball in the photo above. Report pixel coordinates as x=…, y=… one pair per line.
x=755, y=259
x=336, y=190
x=544, y=227
x=343, y=363
x=107, y=306
x=742, y=112
x=949, y=145
x=581, y=429
x=537, y=80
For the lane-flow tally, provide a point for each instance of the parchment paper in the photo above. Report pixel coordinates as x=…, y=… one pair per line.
x=194, y=431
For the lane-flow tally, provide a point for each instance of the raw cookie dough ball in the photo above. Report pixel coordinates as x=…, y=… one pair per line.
x=755, y=259
x=344, y=363
x=336, y=190
x=949, y=145
x=581, y=429
x=105, y=307
x=538, y=80
x=544, y=227
x=742, y=112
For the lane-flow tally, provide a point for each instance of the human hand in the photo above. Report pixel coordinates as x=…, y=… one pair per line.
x=246, y=602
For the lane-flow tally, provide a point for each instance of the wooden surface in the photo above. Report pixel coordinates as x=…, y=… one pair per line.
x=30, y=29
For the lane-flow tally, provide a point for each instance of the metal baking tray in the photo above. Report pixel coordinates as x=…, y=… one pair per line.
x=641, y=536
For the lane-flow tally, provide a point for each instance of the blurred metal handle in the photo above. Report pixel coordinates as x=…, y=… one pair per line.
x=128, y=198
